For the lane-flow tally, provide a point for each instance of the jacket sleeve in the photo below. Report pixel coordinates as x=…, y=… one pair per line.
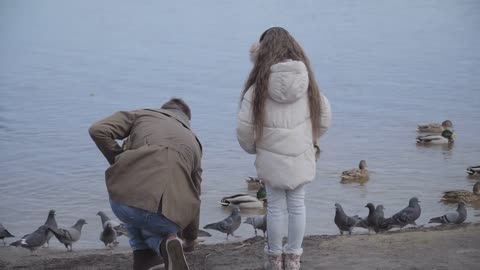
x=325, y=115
x=245, y=129
x=106, y=131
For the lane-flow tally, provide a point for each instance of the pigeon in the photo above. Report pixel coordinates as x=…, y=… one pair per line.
x=18, y=242
x=4, y=234
x=68, y=236
x=258, y=222
x=109, y=236
x=33, y=240
x=408, y=215
x=454, y=217
x=362, y=222
x=344, y=222
x=51, y=223
x=376, y=218
x=117, y=226
x=379, y=211
x=371, y=215
x=380, y=224
x=202, y=233
x=228, y=225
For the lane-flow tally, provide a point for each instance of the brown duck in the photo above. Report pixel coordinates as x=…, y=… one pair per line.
x=463, y=195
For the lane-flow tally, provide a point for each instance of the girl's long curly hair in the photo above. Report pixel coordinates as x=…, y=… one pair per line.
x=277, y=45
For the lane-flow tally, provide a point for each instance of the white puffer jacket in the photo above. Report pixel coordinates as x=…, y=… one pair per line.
x=286, y=154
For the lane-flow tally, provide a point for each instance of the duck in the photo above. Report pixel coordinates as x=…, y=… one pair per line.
x=254, y=183
x=262, y=194
x=447, y=137
x=435, y=127
x=473, y=171
x=246, y=201
x=456, y=196
x=356, y=174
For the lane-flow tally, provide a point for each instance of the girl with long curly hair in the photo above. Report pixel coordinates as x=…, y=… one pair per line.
x=282, y=115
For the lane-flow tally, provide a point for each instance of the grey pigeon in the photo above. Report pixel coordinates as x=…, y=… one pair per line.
x=109, y=236
x=406, y=216
x=117, y=226
x=380, y=224
x=33, y=240
x=362, y=222
x=379, y=211
x=51, y=223
x=371, y=215
x=18, y=242
x=4, y=233
x=228, y=225
x=375, y=219
x=454, y=217
x=344, y=222
x=258, y=222
x=68, y=236
x=202, y=233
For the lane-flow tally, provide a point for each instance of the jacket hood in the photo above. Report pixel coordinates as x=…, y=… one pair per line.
x=288, y=81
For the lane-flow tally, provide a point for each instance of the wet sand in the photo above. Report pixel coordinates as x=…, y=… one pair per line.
x=440, y=247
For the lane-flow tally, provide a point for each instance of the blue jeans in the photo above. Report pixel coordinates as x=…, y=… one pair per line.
x=146, y=229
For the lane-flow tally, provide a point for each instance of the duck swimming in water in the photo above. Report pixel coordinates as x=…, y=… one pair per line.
x=246, y=201
x=474, y=171
x=360, y=174
x=462, y=195
x=447, y=137
x=435, y=127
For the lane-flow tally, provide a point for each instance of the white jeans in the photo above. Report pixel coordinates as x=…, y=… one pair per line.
x=294, y=201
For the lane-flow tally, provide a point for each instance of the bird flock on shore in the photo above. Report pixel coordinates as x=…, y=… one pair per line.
x=111, y=229
x=375, y=221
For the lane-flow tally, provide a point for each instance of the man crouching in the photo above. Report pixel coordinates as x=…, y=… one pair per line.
x=153, y=180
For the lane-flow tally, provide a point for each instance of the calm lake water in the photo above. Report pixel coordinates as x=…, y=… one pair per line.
x=385, y=66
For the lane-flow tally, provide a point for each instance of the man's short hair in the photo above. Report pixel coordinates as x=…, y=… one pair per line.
x=178, y=104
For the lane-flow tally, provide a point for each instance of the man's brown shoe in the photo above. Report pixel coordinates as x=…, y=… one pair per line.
x=147, y=259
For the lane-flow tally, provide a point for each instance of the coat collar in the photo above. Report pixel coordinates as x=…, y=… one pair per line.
x=180, y=117
x=177, y=114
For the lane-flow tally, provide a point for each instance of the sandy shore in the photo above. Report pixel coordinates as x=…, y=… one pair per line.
x=441, y=247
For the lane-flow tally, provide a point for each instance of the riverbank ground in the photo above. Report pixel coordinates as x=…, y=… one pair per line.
x=440, y=247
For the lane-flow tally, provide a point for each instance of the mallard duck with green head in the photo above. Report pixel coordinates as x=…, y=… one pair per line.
x=435, y=127
x=360, y=174
x=463, y=195
x=246, y=201
x=447, y=137
x=474, y=171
